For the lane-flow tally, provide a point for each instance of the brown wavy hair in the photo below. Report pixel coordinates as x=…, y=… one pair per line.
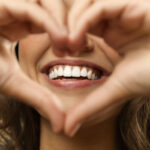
x=20, y=125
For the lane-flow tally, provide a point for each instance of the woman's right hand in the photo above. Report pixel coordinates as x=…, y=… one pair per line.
x=118, y=22
x=18, y=18
x=130, y=22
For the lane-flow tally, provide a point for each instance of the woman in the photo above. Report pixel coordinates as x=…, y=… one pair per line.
x=75, y=79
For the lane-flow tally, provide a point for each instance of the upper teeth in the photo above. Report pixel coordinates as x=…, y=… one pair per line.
x=72, y=71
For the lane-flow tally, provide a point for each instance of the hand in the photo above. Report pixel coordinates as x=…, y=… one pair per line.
x=121, y=21
x=17, y=20
x=20, y=18
x=58, y=13
x=130, y=77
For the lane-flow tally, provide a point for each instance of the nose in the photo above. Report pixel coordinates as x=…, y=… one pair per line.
x=73, y=50
x=65, y=51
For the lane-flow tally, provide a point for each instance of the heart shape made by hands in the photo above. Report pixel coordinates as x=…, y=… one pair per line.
x=122, y=84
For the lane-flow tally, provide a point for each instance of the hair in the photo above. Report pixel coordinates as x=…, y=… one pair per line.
x=20, y=125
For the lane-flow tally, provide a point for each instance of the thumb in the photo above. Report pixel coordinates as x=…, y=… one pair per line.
x=20, y=87
x=107, y=95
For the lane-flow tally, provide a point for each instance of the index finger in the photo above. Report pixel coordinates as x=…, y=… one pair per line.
x=57, y=10
x=108, y=96
x=101, y=10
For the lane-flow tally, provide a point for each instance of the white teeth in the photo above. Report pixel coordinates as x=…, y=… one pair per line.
x=89, y=74
x=76, y=72
x=72, y=71
x=55, y=73
x=67, y=71
x=51, y=75
x=84, y=72
x=60, y=71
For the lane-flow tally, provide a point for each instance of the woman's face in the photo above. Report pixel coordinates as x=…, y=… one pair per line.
x=71, y=78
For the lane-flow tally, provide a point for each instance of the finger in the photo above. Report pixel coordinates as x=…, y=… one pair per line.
x=23, y=89
x=58, y=13
x=96, y=103
x=16, y=84
x=24, y=11
x=96, y=13
x=16, y=31
x=78, y=8
x=56, y=9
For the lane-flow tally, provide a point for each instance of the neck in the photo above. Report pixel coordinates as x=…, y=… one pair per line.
x=100, y=137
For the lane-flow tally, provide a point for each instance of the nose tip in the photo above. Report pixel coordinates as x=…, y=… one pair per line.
x=60, y=52
x=73, y=48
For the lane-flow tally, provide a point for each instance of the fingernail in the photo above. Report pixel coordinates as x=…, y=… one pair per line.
x=74, y=131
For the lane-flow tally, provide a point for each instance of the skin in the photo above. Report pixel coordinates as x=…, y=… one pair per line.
x=19, y=19
x=75, y=104
x=123, y=84
x=39, y=53
x=130, y=40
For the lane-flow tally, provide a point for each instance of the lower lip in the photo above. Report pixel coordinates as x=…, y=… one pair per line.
x=71, y=84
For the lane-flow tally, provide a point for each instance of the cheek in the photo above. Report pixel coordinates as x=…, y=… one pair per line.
x=32, y=48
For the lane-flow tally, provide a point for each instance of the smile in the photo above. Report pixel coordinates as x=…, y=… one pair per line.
x=73, y=74
x=66, y=72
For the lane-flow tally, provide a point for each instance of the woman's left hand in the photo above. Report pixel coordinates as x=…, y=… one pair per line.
x=19, y=18
x=130, y=77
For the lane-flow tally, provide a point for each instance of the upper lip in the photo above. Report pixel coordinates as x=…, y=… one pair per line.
x=46, y=67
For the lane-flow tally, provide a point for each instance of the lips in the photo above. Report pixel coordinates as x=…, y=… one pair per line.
x=73, y=73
